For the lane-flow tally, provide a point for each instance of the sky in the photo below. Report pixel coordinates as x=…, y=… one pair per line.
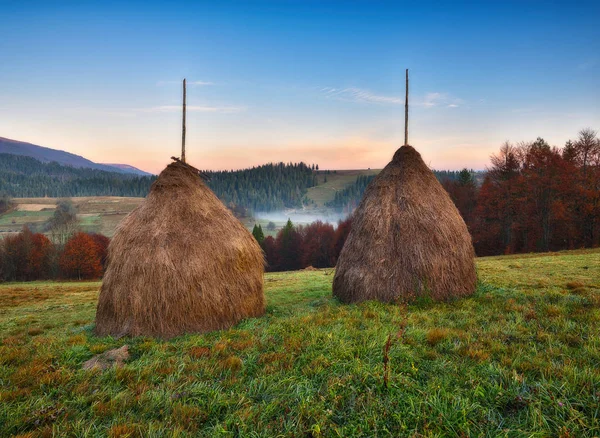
x=314, y=81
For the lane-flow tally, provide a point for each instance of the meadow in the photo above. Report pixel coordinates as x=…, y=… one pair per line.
x=518, y=358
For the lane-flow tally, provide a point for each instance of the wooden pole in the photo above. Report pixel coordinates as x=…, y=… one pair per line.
x=406, y=113
x=183, y=127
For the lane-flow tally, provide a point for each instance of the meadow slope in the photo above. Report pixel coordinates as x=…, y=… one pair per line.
x=519, y=358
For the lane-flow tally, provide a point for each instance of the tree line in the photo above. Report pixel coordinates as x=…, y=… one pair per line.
x=264, y=188
x=26, y=177
x=535, y=197
x=28, y=256
x=295, y=247
x=347, y=199
x=269, y=187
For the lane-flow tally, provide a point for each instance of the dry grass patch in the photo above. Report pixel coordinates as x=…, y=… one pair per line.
x=436, y=335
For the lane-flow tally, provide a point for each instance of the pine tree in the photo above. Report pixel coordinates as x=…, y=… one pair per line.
x=258, y=234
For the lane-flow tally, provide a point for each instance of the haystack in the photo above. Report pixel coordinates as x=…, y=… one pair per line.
x=180, y=263
x=407, y=239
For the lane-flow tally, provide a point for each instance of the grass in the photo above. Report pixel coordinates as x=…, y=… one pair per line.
x=519, y=358
x=325, y=191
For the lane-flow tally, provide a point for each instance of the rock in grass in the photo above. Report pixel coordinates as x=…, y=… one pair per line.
x=116, y=357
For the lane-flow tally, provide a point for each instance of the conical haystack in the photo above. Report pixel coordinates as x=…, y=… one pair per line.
x=407, y=239
x=179, y=263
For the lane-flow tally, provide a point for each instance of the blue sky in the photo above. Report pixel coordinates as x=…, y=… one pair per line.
x=320, y=82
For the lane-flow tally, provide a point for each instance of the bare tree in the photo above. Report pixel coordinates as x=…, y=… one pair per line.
x=63, y=223
x=587, y=147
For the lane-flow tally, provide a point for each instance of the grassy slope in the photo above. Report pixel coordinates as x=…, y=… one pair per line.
x=519, y=358
x=325, y=191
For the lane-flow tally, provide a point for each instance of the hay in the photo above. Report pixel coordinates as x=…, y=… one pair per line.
x=180, y=263
x=407, y=239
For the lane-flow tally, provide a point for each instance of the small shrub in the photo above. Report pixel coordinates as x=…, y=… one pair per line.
x=232, y=363
x=198, y=352
x=34, y=331
x=574, y=285
x=436, y=335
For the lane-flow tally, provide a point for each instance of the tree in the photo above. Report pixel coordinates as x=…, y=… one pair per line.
x=101, y=242
x=271, y=255
x=80, y=259
x=587, y=147
x=288, y=243
x=6, y=203
x=258, y=234
x=40, y=258
x=463, y=191
x=27, y=256
x=318, y=245
x=63, y=222
x=271, y=226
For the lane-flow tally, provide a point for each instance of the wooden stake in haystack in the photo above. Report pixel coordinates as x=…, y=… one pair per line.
x=406, y=113
x=407, y=238
x=158, y=283
x=183, y=127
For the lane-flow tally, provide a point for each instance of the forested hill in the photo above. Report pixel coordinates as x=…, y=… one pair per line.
x=23, y=177
x=348, y=198
x=264, y=188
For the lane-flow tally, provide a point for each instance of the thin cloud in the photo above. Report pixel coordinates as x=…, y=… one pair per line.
x=354, y=94
x=437, y=99
x=194, y=109
x=359, y=95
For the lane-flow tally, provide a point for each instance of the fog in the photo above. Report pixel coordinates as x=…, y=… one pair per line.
x=300, y=217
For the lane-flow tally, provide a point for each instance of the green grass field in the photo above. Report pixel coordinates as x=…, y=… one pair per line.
x=519, y=358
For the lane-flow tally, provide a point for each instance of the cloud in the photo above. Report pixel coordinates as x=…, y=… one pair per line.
x=194, y=109
x=354, y=94
x=437, y=99
x=359, y=95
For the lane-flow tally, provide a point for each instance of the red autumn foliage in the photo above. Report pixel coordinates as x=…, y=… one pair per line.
x=26, y=256
x=317, y=248
x=80, y=258
x=101, y=242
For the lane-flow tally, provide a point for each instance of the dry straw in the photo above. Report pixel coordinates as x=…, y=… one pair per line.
x=407, y=239
x=180, y=263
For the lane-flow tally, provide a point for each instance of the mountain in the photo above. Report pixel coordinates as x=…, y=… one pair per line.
x=129, y=169
x=47, y=155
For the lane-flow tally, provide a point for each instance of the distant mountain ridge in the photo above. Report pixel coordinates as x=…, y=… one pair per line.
x=129, y=169
x=47, y=155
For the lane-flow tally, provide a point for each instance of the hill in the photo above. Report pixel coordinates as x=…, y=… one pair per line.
x=47, y=155
x=518, y=358
x=23, y=176
x=129, y=169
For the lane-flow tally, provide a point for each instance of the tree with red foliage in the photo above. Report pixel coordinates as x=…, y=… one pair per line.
x=101, y=242
x=341, y=234
x=80, y=258
x=269, y=247
x=317, y=248
x=496, y=212
x=463, y=192
x=586, y=202
x=27, y=256
x=40, y=257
